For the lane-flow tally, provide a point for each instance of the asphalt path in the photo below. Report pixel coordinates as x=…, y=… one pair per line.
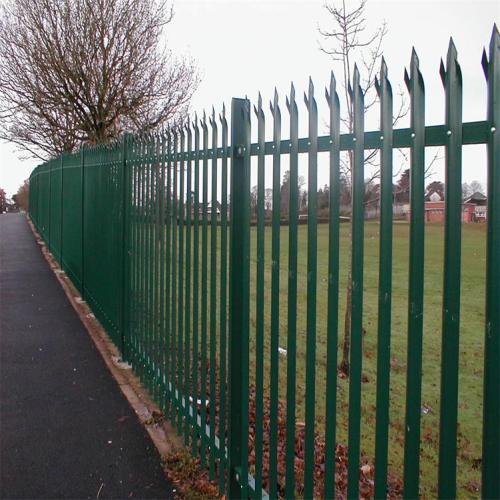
x=66, y=430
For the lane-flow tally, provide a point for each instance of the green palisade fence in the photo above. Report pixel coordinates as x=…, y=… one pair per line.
x=157, y=233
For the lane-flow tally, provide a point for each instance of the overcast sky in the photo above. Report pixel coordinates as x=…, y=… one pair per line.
x=245, y=46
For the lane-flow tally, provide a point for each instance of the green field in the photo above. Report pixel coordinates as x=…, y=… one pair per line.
x=471, y=343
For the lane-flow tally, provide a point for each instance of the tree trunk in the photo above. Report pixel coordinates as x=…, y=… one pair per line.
x=346, y=344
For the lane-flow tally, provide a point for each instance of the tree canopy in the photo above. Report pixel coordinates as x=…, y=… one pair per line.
x=85, y=71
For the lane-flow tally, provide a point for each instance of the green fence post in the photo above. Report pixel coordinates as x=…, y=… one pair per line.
x=48, y=240
x=124, y=288
x=357, y=252
x=491, y=393
x=275, y=303
x=333, y=289
x=82, y=177
x=62, y=212
x=384, y=91
x=239, y=297
x=450, y=352
x=312, y=278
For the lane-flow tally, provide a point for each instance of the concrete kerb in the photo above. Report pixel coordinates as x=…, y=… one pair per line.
x=162, y=434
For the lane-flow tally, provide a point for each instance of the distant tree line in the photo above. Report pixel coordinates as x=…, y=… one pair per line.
x=400, y=195
x=21, y=198
x=3, y=201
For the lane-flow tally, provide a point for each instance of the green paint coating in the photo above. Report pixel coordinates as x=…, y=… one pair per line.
x=385, y=287
x=123, y=221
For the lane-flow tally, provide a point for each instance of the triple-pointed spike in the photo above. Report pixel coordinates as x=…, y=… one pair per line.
x=275, y=109
x=329, y=94
x=414, y=69
x=310, y=96
x=451, y=58
x=383, y=83
x=274, y=104
x=451, y=63
x=383, y=76
x=222, y=116
x=203, y=121
x=333, y=83
x=291, y=102
x=258, y=109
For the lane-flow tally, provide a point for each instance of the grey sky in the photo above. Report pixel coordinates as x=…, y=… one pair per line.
x=243, y=46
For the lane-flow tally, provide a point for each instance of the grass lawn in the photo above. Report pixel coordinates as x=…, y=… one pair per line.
x=471, y=343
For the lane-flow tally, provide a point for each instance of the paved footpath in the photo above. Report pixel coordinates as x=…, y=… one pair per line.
x=66, y=430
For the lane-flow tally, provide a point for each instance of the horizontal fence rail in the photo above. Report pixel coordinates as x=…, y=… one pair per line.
x=233, y=322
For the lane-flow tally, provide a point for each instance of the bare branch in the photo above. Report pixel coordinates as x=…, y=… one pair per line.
x=85, y=71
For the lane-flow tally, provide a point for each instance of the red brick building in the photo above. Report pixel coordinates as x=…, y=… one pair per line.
x=434, y=211
x=473, y=208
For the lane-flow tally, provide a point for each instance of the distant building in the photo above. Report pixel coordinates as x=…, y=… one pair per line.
x=473, y=208
x=480, y=206
x=216, y=208
x=11, y=206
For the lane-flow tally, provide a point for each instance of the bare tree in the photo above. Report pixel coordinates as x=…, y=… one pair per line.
x=476, y=187
x=84, y=71
x=346, y=41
